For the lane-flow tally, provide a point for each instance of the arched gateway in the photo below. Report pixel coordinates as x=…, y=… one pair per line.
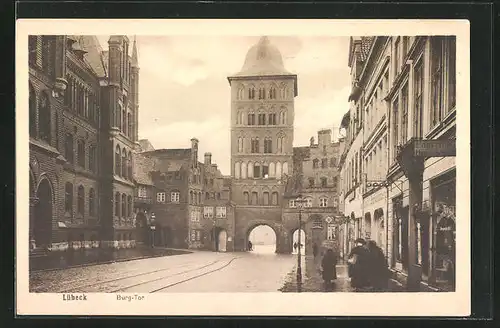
x=262, y=116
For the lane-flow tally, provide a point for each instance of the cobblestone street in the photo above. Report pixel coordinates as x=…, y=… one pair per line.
x=196, y=272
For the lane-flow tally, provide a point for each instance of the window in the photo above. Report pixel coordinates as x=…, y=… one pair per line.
x=436, y=79
x=333, y=162
x=274, y=198
x=32, y=105
x=117, y=204
x=44, y=118
x=317, y=223
x=208, y=212
x=255, y=145
x=419, y=101
x=315, y=163
x=323, y=202
x=272, y=119
x=124, y=205
x=397, y=61
x=175, y=197
x=221, y=212
x=268, y=146
x=255, y=198
x=92, y=158
x=124, y=163
x=404, y=118
x=395, y=127
x=251, y=119
x=311, y=182
x=272, y=93
x=129, y=205
x=91, y=202
x=330, y=232
x=246, y=198
x=118, y=164
x=265, y=198
x=262, y=93
x=251, y=93
x=308, y=203
x=265, y=171
x=160, y=197
x=81, y=153
x=262, y=119
x=68, y=148
x=280, y=144
x=256, y=171
x=33, y=45
x=324, y=182
x=129, y=125
x=291, y=203
x=129, y=165
x=452, y=52
x=324, y=163
x=68, y=199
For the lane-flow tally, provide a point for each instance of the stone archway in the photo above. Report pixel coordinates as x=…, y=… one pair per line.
x=222, y=240
x=261, y=224
x=379, y=237
x=42, y=223
x=294, y=239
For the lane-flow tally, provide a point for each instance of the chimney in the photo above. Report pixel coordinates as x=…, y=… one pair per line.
x=208, y=158
x=325, y=137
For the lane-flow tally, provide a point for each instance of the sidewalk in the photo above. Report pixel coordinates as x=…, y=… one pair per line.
x=312, y=280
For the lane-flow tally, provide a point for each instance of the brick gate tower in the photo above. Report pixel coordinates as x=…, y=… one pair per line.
x=262, y=116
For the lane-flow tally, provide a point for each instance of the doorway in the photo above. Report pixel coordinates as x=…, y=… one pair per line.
x=42, y=229
x=262, y=239
x=222, y=241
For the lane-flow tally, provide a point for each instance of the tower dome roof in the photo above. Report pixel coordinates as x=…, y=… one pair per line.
x=263, y=59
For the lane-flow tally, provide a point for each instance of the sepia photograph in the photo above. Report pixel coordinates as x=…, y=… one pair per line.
x=292, y=164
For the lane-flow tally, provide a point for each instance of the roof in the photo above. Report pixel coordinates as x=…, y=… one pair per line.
x=366, y=44
x=263, y=59
x=135, y=60
x=146, y=145
x=90, y=44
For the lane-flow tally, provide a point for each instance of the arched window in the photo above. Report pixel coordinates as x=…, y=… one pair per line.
x=274, y=198
x=237, y=170
x=268, y=145
x=129, y=202
x=265, y=197
x=124, y=206
x=191, y=197
x=255, y=198
x=129, y=165
x=262, y=93
x=91, y=202
x=81, y=152
x=68, y=148
x=207, y=195
x=118, y=117
x=68, y=198
x=124, y=163
x=272, y=170
x=315, y=163
x=240, y=145
x=250, y=170
x=117, y=204
x=81, y=201
x=285, y=168
x=272, y=93
x=129, y=125
x=280, y=144
x=44, y=116
x=324, y=182
x=244, y=170
x=124, y=121
x=92, y=158
x=278, y=170
x=118, y=164
x=246, y=198
x=251, y=93
x=323, y=202
x=32, y=118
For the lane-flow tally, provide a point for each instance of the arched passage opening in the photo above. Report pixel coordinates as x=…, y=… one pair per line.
x=295, y=240
x=143, y=233
x=262, y=238
x=219, y=238
x=42, y=229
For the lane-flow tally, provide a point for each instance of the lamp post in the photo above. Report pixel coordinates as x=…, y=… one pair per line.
x=153, y=227
x=299, y=203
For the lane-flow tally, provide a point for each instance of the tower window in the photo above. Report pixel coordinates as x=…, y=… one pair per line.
x=262, y=119
x=251, y=119
x=81, y=153
x=324, y=182
x=256, y=171
x=268, y=146
x=272, y=119
x=251, y=93
x=315, y=163
x=324, y=163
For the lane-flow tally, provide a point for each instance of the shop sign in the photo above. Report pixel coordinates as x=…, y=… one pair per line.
x=435, y=148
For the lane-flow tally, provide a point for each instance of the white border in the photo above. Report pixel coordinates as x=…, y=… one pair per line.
x=271, y=304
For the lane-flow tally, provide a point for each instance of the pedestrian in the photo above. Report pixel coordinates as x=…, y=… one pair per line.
x=378, y=268
x=295, y=246
x=250, y=245
x=315, y=250
x=357, y=266
x=329, y=269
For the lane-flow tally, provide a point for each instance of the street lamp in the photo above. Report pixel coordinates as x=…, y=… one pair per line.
x=299, y=202
x=153, y=227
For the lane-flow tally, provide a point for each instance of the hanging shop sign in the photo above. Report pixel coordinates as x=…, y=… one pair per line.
x=434, y=148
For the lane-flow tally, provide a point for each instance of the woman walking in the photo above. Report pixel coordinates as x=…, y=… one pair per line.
x=329, y=269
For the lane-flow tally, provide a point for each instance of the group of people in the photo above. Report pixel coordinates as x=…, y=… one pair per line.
x=366, y=264
x=367, y=267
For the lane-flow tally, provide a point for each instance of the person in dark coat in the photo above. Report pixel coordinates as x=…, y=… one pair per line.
x=315, y=250
x=250, y=246
x=329, y=269
x=378, y=268
x=358, y=266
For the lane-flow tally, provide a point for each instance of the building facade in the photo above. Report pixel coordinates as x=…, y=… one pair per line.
x=407, y=94
x=73, y=93
x=262, y=117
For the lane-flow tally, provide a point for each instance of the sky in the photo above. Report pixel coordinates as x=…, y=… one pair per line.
x=184, y=92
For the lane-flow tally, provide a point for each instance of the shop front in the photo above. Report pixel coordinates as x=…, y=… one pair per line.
x=443, y=193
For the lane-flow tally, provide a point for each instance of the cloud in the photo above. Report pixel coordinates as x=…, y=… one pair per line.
x=184, y=92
